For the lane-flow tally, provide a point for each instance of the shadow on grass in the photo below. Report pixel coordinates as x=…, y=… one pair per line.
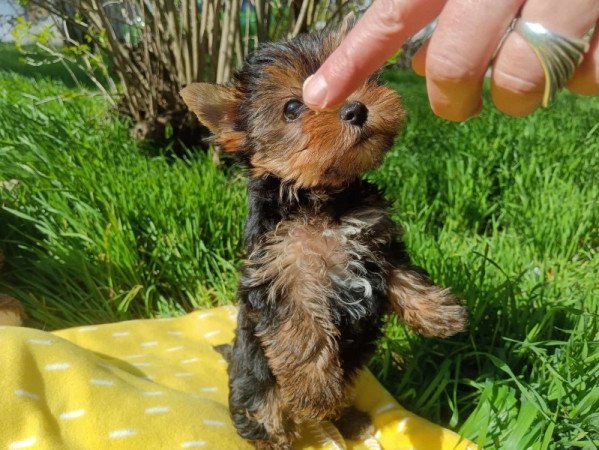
x=11, y=60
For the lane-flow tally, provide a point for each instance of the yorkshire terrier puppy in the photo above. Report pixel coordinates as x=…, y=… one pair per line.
x=325, y=262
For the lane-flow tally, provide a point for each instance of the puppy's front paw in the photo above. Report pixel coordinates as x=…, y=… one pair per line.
x=428, y=309
x=354, y=424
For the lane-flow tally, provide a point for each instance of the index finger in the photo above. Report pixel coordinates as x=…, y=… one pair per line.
x=383, y=29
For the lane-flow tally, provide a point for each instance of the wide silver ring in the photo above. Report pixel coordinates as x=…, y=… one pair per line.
x=559, y=55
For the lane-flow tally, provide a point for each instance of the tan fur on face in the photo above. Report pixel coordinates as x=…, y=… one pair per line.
x=428, y=309
x=319, y=149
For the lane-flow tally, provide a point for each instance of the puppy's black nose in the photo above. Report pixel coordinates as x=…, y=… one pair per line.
x=355, y=113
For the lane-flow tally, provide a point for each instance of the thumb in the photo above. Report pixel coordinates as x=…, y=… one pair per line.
x=383, y=29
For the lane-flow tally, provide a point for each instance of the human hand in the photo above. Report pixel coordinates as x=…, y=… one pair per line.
x=459, y=52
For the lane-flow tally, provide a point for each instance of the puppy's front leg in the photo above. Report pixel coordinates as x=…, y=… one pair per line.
x=254, y=401
x=423, y=306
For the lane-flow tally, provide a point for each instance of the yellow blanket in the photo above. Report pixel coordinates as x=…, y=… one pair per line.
x=157, y=384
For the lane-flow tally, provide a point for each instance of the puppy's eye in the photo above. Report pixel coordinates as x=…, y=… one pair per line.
x=292, y=109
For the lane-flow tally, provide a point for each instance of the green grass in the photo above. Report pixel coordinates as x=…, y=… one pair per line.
x=95, y=229
x=503, y=210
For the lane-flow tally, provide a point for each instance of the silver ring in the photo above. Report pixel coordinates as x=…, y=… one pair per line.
x=559, y=55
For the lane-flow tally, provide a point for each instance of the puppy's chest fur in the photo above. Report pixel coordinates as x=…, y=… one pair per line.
x=315, y=285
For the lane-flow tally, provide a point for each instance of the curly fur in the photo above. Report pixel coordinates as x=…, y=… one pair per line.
x=325, y=261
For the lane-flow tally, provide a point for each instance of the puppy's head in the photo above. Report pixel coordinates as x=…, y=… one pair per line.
x=262, y=118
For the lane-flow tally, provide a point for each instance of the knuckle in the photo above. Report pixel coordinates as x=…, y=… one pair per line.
x=521, y=84
x=517, y=69
x=389, y=17
x=448, y=68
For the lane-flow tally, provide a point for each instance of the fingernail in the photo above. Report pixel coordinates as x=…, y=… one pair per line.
x=315, y=91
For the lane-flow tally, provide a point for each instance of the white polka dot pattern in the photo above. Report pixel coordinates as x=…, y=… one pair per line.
x=25, y=443
x=156, y=384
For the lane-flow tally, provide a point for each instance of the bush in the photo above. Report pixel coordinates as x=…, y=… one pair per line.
x=156, y=47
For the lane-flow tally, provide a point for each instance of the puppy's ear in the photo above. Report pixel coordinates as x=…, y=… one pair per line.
x=215, y=105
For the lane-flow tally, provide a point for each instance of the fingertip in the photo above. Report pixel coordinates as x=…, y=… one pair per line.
x=381, y=30
x=584, y=84
x=457, y=114
x=315, y=90
x=517, y=79
x=452, y=100
x=515, y=104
